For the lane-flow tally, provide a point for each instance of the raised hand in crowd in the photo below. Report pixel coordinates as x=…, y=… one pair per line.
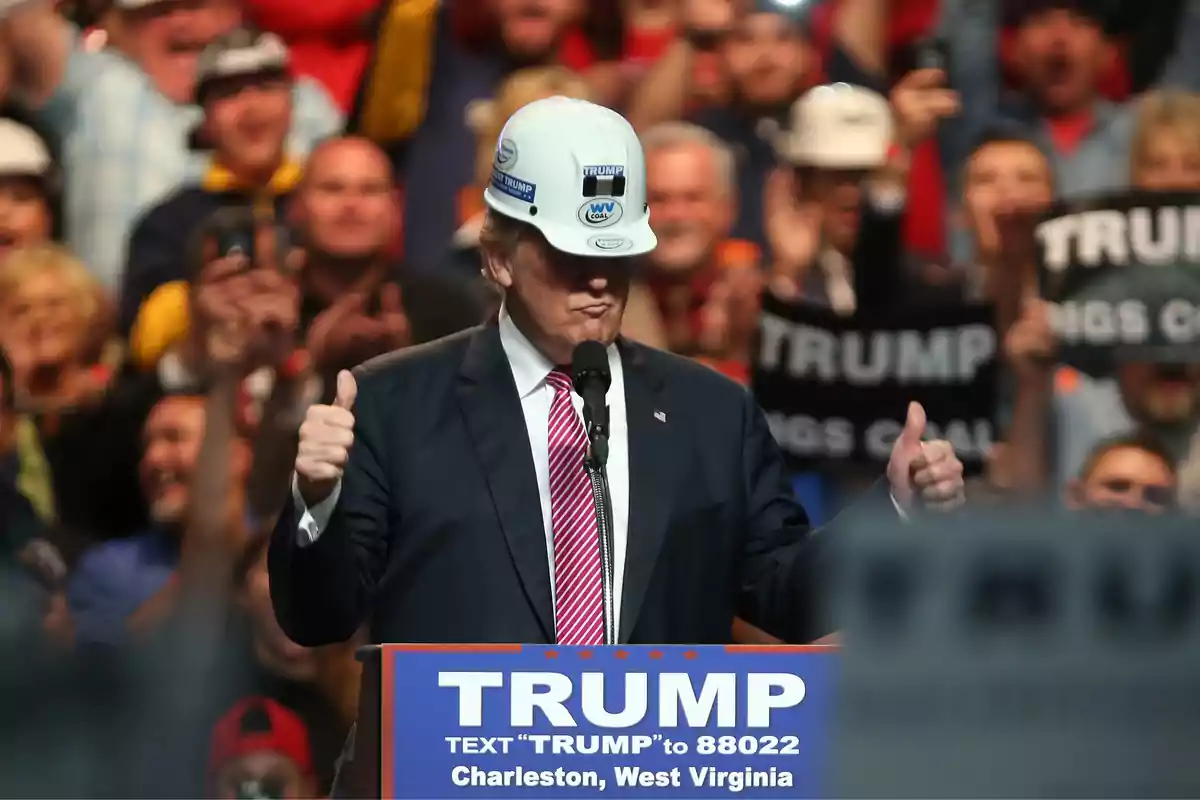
x=919, y=102
x=325, y=439
x=1006, y=249
x=1029, y=345
x=729, y=317
x=1005, y=234
x=249, y=311
x=346, y=334
x=793, y=225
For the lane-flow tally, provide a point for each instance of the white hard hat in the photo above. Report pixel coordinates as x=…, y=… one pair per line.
x=22, y=152
x=838, y=126
x=576, y=172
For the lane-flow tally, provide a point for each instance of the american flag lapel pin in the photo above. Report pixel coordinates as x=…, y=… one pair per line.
x=661, y=416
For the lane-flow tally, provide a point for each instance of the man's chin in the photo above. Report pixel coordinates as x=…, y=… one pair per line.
x=601, y=329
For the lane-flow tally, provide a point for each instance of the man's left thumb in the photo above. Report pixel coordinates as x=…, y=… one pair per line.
x=914, y=425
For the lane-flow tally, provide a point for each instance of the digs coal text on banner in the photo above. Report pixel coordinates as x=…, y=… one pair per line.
x=838, y=388
x=1122, y=275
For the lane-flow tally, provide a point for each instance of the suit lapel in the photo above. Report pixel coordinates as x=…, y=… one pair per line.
x=496, y=424
x=651, y=477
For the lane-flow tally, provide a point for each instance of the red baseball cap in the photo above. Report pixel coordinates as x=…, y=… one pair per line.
x=256, y=724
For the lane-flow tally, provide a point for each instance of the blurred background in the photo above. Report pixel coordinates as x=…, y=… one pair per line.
x=847, y=196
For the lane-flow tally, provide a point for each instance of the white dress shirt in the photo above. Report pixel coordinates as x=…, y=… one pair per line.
x=529, y=369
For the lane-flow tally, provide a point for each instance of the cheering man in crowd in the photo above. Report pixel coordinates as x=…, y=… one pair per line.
x=432, y=466
x=1129, y=472
x=124, y=117
x=243, y=86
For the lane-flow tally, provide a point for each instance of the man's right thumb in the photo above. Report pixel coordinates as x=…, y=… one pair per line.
x=347, y=390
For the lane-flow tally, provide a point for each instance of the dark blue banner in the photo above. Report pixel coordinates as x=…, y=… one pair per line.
x=631, y=722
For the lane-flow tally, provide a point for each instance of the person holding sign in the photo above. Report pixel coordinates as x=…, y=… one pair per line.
x=1111, y=348
x=444, y=497
x=834, y=210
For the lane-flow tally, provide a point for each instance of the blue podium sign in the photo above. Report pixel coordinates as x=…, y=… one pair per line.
x=521, y=721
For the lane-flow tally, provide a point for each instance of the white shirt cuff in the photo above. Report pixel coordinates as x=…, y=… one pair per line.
x=899, y=509
x=313, y=521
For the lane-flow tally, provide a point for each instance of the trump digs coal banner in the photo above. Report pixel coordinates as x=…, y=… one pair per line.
x=520, y=721
x=1122, y=275
x=837, y=387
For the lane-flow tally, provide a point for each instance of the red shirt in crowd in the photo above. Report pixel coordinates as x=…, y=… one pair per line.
x=329, y=40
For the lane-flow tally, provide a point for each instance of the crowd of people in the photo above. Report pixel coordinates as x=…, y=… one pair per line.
x=315, y=170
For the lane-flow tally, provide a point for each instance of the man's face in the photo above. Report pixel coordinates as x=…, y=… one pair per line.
x=262, y=774
x=166, y=39
x=689, y=206
x=767, y=59
x=171, y=442
x=1005, y=175
x=1161, y=394
x=1128, y=478
x=568, y=299
x=248, y=120
x=45, y=318
x=273, y=649
x=1060, y=54
x=24, y=214
x=1171, y=163
x=531, y=29
x=346, y=201
x=839, y=194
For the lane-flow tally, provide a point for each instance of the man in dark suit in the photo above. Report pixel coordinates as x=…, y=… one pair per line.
x=443, y=498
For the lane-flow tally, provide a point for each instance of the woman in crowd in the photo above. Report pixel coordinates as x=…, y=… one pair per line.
x=79, y=415
x=1166, y=145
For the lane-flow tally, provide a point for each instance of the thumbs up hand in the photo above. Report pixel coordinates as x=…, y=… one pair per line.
x=325, y=439
x=925, y=472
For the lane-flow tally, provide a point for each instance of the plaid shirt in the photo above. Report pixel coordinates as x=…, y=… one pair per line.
x=125, y=146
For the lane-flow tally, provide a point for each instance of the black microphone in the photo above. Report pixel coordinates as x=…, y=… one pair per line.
x=591, y=377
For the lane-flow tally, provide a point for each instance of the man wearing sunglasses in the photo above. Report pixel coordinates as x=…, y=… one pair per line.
x=1127, y=472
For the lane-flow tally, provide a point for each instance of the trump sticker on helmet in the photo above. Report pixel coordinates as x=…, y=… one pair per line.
x=603, y=180
x=609, y=244
x=506, y=155
x=601, y=212
x=513, y=187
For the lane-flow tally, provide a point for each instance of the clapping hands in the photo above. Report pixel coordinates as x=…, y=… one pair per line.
x=346, y=334
x=248, y=311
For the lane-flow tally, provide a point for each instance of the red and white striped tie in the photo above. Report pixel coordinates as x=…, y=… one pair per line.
x=579, y=598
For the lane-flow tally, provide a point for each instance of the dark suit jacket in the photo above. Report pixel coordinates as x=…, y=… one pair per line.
x=438, y=534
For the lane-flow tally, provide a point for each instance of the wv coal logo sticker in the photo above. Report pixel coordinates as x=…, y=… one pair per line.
x=600, y=213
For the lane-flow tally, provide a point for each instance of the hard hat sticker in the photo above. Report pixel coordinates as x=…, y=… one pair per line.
x=600, y=213
x=604, y=180
x=513, y=187
x=609, y=243
x=506, y=155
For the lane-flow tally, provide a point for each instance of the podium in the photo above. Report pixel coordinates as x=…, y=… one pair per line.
x=359, y=773
x=405, y=710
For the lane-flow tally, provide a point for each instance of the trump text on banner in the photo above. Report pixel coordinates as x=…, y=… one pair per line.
x=548, y=722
